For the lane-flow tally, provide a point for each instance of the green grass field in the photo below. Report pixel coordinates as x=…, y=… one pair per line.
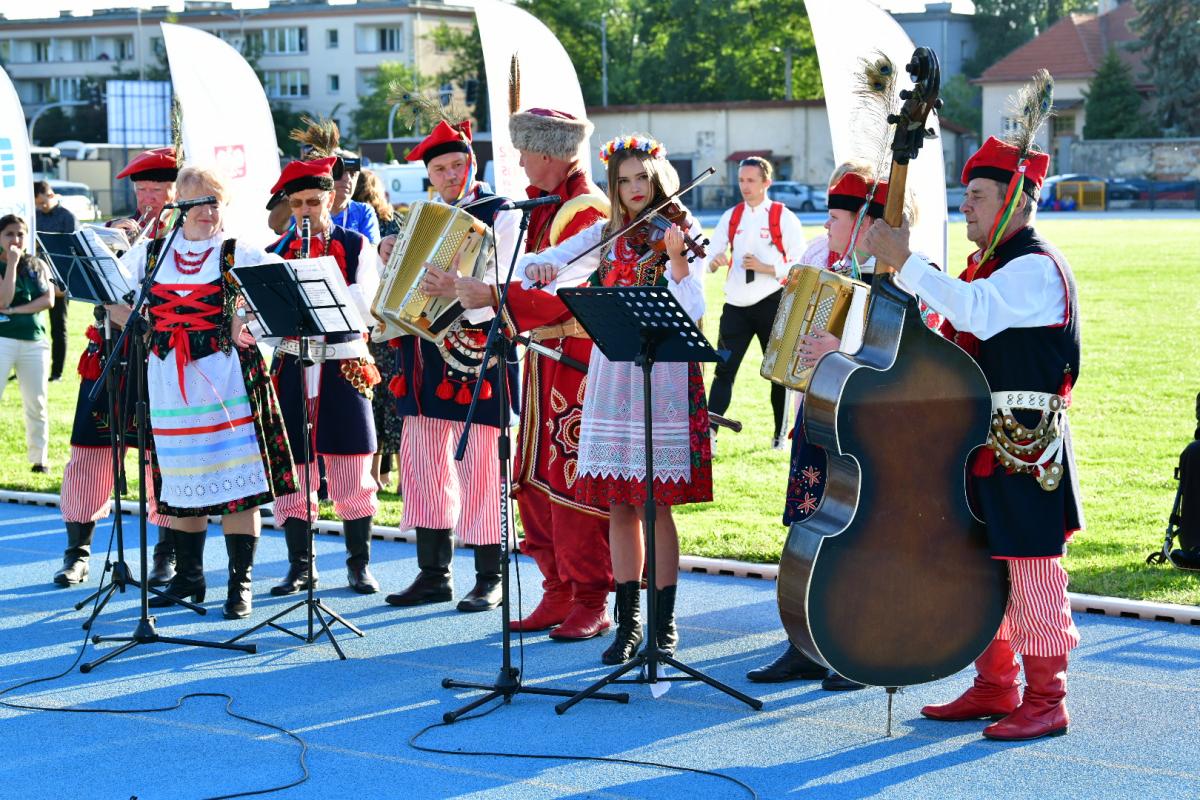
x=1133, y=412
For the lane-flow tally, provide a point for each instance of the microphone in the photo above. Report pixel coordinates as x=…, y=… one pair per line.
x=207, y=200
x=519, y=205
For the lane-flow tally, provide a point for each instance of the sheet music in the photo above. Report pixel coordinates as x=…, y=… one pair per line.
x=115, y=274
x=115, y=238
x=324, y=287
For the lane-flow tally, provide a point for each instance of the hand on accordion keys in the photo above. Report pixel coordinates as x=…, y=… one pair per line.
x=816, y=344
x=435, y=283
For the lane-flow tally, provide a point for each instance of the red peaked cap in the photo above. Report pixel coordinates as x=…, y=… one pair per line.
x=152, y=165
x=850, y=192
x=445, y=138
x=997, y=160
x=300, y=175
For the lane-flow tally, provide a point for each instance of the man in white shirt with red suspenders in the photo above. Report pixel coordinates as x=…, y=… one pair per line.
x=766, y=238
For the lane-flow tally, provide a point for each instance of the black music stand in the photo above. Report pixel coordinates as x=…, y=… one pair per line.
x=145, y=632
x=310, y=303
x=644, y=324
x=89, y=272
x=508, y=681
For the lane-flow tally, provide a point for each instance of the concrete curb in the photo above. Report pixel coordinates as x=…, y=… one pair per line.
x=1083, y=603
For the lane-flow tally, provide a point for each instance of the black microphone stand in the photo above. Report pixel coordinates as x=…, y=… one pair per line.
x=146, y=633
x=314, y=606
x=121, y=576
x=508, y=681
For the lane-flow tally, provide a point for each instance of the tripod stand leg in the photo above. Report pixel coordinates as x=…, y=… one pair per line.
x=350, y=626
x=108, y=593
x=328, y=633
x=632, y=664
x=271, y=622
x=91, y=665
x=753, y=702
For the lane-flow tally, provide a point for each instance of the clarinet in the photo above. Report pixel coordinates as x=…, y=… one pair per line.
x=305, y=234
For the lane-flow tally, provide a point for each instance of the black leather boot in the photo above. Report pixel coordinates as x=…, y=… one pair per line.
x=486, y=594
x=435, y=551
x=164, y=558
x=238, y=600
x=295, y=533
x=629, y=624
x=357, y=533
x=792, y=665
x=75, y=557
x=189, y=571
x=836, y=683
x=665, y=631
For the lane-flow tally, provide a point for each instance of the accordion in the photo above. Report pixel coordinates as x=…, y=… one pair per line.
x=432, y=236
x=813, y=298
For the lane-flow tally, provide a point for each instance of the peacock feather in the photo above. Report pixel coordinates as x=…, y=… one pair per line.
x=514, y=85
x=320, y=135
x=1030, y=108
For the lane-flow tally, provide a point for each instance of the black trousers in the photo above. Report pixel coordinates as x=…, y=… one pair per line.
x=58, y=336
x=739, y=325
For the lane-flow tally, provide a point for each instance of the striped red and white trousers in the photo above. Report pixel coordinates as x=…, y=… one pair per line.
x=440, y=492
x=1038, y=619
x=87, y=487
x=351, y=488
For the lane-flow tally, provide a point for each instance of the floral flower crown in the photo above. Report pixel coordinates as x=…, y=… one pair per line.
x=651, y=147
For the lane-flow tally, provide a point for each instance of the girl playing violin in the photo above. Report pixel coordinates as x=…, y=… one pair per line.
x=612, y=465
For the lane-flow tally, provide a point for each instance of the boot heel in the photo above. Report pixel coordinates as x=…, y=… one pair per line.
x=198, y=597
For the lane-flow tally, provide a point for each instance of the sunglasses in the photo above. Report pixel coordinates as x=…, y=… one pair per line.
x=311, y=202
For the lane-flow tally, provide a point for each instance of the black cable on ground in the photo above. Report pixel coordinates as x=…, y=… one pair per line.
x=177, y=705
x=412, y=742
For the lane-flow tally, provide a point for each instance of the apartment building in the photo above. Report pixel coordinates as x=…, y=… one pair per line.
x=319, y=56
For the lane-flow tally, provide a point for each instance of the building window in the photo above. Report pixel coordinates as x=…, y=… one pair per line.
x=391, y=40
x=285, y=83
x=284, y=41
x=1064, y=125
x=1009, y=126
x=41, y=51
x=125, y=48
x=331, y=38
x=65, y=89
x=335, y=84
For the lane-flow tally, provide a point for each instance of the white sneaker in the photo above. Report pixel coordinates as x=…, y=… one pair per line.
x=779, y=443
x=712, y=446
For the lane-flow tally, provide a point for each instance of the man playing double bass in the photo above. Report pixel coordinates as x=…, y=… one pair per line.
x=1015, y=310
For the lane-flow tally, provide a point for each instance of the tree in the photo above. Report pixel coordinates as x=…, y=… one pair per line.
x=1114, y=107
x=1169, y=34
x=684, y=50
x=371, y=116
x=962, y=103
x=1001, y=26
x=466, y=69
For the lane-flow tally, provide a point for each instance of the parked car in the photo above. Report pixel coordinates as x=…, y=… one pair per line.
x=798, y=196
x=77, y=198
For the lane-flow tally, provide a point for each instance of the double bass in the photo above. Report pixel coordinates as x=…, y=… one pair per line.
x=890, y=581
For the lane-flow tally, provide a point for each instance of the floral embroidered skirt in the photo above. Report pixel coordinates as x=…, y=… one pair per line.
x=806, y=475
x=612, y=462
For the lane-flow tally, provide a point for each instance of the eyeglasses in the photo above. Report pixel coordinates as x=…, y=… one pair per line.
x=311, y=202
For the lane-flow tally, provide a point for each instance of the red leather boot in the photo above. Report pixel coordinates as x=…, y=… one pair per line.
x=551, y=610
x=588, y=616
x=995, y=694
x=1043, y=710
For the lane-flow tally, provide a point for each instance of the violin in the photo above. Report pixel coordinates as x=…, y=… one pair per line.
x=649, y=231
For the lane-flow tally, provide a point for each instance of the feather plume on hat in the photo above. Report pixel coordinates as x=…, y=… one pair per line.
x=1031, y=107
x=318, y=139
x=424, y=108
x=514, y=85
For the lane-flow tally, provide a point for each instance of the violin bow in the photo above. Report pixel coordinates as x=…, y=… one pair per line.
x=645, y=215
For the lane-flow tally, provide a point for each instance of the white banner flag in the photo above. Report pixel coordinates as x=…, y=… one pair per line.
x=548, y=80
x=226, y=125
x=16, y=169
x=847, y=31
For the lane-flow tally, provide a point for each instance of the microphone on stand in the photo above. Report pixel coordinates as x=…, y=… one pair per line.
x=518, y=205
x=184, y=205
